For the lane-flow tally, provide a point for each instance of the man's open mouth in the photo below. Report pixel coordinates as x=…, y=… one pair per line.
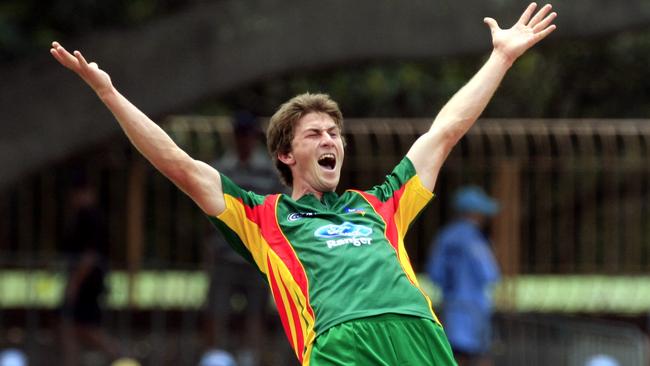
x=327, y=161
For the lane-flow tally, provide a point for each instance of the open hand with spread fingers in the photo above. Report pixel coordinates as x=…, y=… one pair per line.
x=529, y=29
x=95, y=77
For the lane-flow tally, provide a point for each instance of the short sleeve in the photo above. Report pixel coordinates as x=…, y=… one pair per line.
x=235, y=222
x=402, y=192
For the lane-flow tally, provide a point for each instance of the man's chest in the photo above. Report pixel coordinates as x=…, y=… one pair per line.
x=347, y=230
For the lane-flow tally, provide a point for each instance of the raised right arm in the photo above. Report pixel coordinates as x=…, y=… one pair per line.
x=197, y=179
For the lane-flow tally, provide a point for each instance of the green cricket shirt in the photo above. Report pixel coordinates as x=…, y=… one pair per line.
x=331, y=260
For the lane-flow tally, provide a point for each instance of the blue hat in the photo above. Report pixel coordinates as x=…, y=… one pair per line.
x=472, y=199
x=217, y=357
x=602, y=360
x=12, y=357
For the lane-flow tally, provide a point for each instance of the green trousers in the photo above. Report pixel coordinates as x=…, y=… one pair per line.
x=384, y=340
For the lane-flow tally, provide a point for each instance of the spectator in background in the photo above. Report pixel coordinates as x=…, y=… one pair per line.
x=13, y=357
x=249, y=165
x=217, y=358
x=463, y=266
x=86, y=245
x=234, y=288
x=601, y=360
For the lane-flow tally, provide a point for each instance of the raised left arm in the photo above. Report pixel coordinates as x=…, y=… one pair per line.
x=459, y=114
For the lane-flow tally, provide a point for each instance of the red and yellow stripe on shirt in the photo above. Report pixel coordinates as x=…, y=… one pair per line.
x=398, y=212
x=277, y=260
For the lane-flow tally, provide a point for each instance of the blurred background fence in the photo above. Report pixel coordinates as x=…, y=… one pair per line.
x=574, y=193
x=575, y=204
x=541, y=339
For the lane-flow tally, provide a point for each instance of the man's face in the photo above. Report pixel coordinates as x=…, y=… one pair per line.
x=316, y=154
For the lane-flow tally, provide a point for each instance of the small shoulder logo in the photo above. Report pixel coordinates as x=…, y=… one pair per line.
x=295, y=216
x=359, y=211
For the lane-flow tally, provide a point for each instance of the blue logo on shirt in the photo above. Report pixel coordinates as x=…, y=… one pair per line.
x=346, y=229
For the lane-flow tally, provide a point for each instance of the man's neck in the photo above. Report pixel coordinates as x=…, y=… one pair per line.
x=298, y=193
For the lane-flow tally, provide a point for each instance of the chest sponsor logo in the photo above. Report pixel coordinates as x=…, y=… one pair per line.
x=344, y=234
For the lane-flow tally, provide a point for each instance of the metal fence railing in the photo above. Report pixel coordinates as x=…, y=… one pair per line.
x=573, y=192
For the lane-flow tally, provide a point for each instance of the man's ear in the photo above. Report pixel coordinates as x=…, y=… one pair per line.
x=287, y=158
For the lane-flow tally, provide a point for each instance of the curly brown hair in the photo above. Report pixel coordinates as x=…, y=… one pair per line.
x=280, y=131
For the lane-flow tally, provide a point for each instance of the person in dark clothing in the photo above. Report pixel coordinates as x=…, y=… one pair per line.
x=250, y=166
x=86, y=245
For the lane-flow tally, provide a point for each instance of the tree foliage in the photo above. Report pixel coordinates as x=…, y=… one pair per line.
x=581, y=78
x=28, y=26
x=602, y=77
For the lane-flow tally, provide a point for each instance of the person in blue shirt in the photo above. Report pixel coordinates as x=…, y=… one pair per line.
x=463, y=266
